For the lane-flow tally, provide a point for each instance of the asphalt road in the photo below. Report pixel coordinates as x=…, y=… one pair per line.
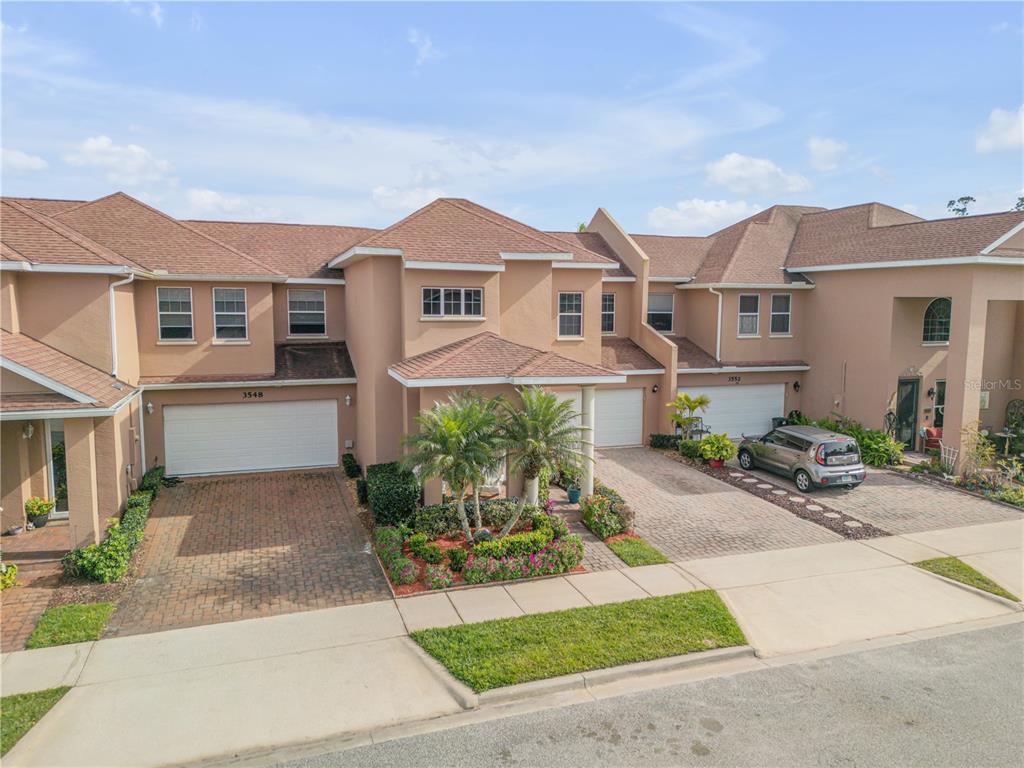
x=951, y=701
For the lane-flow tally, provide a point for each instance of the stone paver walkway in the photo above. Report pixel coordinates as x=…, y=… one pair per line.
x=37, y=554
x=596, y=554
x=687, y=514
x=246, y=546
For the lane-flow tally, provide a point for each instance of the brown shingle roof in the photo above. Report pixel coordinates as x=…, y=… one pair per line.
x=47, y=206
x=619, y=354
x=595, y=243
x=29, y=235
x=292, y=362
x=103, y=388
x=692, y=356
x=156, y=241
x=877, y=233
x=297, y=250
x=487, y=355
x=673, y=256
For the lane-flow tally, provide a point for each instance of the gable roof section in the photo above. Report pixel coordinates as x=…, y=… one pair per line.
x=46, y=206
x=595, y=243
x=874, y=234
x=672, y=256
x=31, y=236
x=486, y=358
x=623, y=355
x=297, y=250
x=157, y=242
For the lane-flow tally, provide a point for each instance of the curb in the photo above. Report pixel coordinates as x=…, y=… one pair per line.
x=584, y=680
x=979, y=592
x=461, y=692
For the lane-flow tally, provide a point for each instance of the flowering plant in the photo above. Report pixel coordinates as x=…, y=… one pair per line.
x=438, y=577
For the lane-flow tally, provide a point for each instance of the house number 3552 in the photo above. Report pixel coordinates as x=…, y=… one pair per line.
x=251, y=395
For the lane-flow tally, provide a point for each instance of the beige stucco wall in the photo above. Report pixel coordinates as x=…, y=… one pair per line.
x=9, y=319
x=127, y=334
x=69, y=312
x=587, y=281
x=766, y=346
x=23, y=470
x=12, y=383
x=1002, y=354
x=700, y=318
x=422, y=335
x=623, y=293
x=203, y=356
x=334, y=300
x=526, y=291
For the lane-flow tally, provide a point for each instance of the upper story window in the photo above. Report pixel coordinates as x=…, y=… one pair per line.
x=782, y=312
x=174, y=313
x=570, y=314
x=750, y=305
x=453, y=302
x=936, y=321
x=659, y=311
x=307, y=313
x=229, y=314
x=607, y=313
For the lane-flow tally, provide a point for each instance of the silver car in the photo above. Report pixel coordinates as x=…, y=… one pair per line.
x=814, y=458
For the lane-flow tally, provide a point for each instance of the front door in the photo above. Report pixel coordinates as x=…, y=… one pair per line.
x=906, y=411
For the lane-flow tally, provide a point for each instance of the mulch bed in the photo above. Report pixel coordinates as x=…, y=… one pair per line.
x=835, y=524
x=928, y=478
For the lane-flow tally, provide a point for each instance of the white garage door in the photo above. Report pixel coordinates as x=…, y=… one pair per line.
x=250, y=437
x=620, y=417
x=743, y=409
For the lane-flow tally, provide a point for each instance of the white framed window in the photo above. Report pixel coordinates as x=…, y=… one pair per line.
x=750, y=305
x=607, y=313
x=174, y=313
x=570, y=314
x=782, y=312
x=659, y=311
x=230, y=316
x=453, y=302
x=307, y=312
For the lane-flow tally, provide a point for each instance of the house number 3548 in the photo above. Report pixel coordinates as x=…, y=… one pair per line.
x=251, y=395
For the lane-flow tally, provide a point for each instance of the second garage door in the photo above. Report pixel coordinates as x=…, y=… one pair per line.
x=250, y=437
x=743, y=409
x=619, y=417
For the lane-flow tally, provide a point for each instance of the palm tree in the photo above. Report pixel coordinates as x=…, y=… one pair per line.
x=456, y=442
x=480, y=415
x=685, y=409
x=542, y=433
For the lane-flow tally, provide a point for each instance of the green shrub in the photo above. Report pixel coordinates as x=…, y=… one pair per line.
x=387, y=543
x=557, y=524
x=619, y=506
x=558, y=556
x=109, y=560
x=152, y=480
x=393, y=493
x=717, y=447
x=797, y=419
x=438, y=577
x=438, y=520
x=457, y=559
x=362, y=491
x=350, y=465
x=37, y=507
x=544, y=486
x=416, y=542
x=599, y=516
x=570, y=551
x=8, y=575
x=402, y=571
x=664, y=441
x=432, y=554
x=515, y=545
x=879, y=449
x=1011, y=495
x=690, y=449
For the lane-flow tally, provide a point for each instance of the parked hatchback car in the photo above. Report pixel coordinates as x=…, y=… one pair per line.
x=813, y=457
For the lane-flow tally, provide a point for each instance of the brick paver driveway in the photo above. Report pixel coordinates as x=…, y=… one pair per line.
x=244, y=546
x=688, y=515
x=900, y=505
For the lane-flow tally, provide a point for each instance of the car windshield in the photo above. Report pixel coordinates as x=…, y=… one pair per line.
x=841, y=452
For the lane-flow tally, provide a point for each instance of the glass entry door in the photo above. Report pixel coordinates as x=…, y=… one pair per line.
x=906, y=411
x=58, y=469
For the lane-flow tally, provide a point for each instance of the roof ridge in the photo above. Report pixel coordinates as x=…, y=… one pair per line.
x=949, y=218
x=68, y=232
x=400, y=222
x=274, y=223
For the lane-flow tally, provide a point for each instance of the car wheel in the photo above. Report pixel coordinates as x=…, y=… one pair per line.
x=746, y=460
x=803, y=481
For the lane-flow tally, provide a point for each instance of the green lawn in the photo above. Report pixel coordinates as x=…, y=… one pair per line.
x=634, y=552
x=492, y=654
x=70, y=624
x=23, y=710
x=958, y=570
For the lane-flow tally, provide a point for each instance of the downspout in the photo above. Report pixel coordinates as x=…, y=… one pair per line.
x=718, y=331
x=113, y=323
x=142, y=433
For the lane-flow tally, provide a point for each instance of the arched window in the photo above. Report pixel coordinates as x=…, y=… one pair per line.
x=936, y=321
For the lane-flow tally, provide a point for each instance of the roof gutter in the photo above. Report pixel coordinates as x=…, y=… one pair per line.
x=469, y=381
x=68, y=413
x=113, y=322
x=1008, y=261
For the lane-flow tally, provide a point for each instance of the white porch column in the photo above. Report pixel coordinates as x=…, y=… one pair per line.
x=589, y=424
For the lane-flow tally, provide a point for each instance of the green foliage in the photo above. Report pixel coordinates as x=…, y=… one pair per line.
x=599, y=516
x=65, y=624
x=351, y=466
x=515, y=545
x=879, y=449
x=690, y=449
x=977, y=452
x=38, y=507
x=797, y=419
x=108, y=561
x=717, y=447
x=392, y=493
x=559, y=528
x=1011, y=495
x=684, y=410
x=424, y=550
x=457, y=559
x=544, y=485
x=664, y=441
x=152, y=480
x=387, y=543
x=958, y=207
x=402, y=571
x=438, y=520
x=8, y=575
x=958, y=570
x=635, y=552
x=21, y=711
x=362, y=491
x=558, y=556
x=438, y=577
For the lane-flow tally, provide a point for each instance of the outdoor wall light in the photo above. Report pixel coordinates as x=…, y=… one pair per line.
x=655, y=388
x=796, y=386
x=28, y=430
x=149, y=407
x=348, y=399
x=931, y=393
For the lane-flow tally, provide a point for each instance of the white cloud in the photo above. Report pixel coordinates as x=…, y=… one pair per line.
x=699, y=217
x=752, y=175
x=425, y=48
x=210, y=204
x=825, y=154
x=16, y=161
x=1004, y=130
x=156, y=13
x=195, y=22
x=127, y=164
x=392, y=199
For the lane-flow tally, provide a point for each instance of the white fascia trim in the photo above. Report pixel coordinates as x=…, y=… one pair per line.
x=618, y=279
x=471, y=381
x=644, y=372
x=583, y=265
x=68, y=269
x=455, y=266
x=69, y=413
x=45, y=381
x=161, y=276
x=952, y=261
x=315, y=281
x=536, y=256
x=670, y=279
x=999, y=241
x=757, y=286
x=234, y=384
x=361, y=252
x=747, y=369
x=529, y=380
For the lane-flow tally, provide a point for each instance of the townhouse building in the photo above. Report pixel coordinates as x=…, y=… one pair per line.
x=131, y=339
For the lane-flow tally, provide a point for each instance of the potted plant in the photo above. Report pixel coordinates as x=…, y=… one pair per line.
x=37, y=510
x=570, y=479
x=716, y=449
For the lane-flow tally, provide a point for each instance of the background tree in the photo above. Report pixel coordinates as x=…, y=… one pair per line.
x=959, y=206
x=1020, y=204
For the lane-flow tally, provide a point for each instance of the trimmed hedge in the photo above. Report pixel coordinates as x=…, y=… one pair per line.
x=438, y=520
x=664, y=441
x=393, y=494
x=690, y=449
x=152, y=480
x=515, y=545
x=606, y=513
x=362, y=491
x=351, y=466
x=558, y=556
x=109, y=560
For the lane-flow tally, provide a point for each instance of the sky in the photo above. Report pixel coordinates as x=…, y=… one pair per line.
x=676, y=118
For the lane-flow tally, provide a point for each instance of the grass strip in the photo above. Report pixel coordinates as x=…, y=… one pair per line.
x=70, y=624
x=958, y=570
x=636, y=551
x=21, y=711
x=502, y=652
